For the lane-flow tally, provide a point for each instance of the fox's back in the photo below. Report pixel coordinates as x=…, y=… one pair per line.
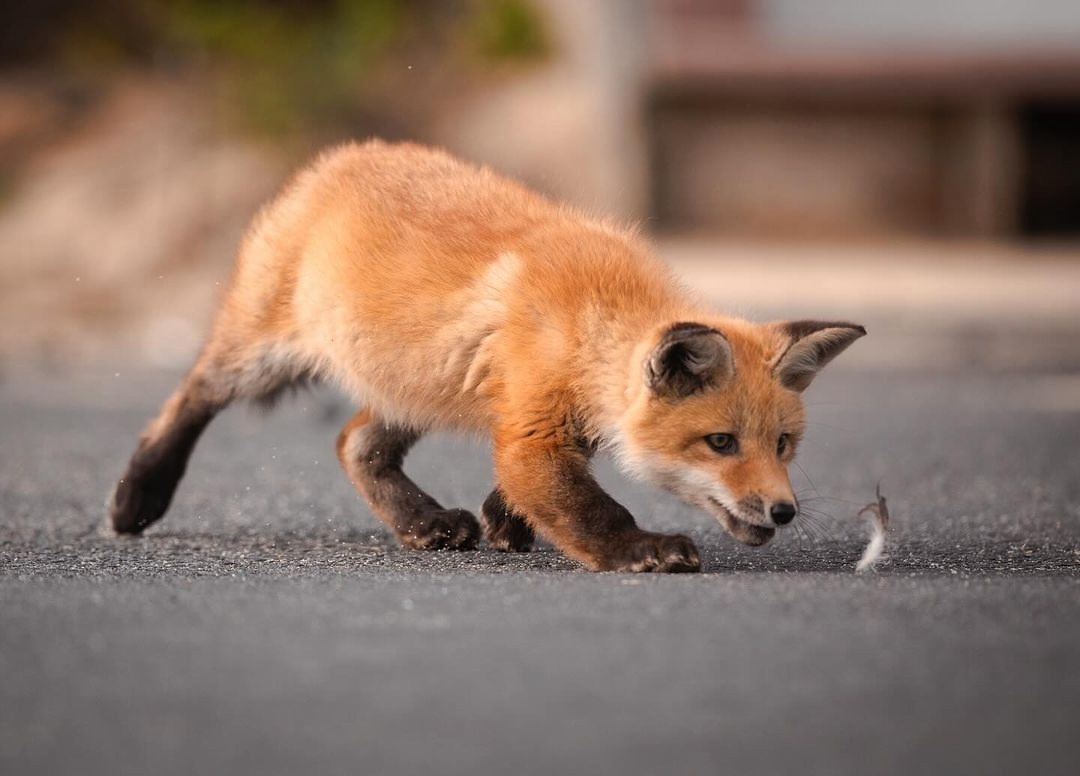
x=403, y=267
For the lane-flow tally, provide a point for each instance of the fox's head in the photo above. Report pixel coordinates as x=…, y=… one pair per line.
x=719, y=415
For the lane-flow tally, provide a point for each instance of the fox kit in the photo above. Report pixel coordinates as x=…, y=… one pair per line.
x=442, y=296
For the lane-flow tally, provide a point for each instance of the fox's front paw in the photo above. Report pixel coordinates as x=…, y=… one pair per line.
x=504, y=528
x=644, y=551
x=442, y=529
x=512, y=535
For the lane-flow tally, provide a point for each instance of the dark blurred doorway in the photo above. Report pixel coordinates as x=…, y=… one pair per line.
x=1050, y=204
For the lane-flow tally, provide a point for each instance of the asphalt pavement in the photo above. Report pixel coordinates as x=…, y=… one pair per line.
x=269, y=625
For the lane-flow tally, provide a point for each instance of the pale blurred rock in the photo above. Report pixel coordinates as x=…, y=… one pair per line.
x=132, y=219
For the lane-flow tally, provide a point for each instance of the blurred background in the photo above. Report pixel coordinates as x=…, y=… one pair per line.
x=912, y=165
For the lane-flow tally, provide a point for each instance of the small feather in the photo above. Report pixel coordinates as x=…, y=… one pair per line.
x=879, y=515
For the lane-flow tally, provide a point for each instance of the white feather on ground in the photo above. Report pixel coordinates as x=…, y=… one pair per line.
x=879, y=516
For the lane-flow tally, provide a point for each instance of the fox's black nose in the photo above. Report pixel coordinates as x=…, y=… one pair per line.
x=782, y=512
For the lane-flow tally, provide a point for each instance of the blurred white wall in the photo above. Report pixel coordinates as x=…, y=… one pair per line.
x=923, y=22
x=571, y=127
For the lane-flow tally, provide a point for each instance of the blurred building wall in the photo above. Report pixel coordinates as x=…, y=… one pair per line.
x=844, y=118
x=923, y=22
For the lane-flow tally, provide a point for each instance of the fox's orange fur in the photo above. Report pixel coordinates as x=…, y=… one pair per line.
x=441, y=295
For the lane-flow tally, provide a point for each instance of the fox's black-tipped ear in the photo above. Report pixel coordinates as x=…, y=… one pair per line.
x=808, y=347
x=688, y=358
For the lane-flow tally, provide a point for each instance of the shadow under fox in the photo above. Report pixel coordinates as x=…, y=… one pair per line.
x=442, y=296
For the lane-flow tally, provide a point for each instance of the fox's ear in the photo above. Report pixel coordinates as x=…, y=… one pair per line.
x=688, y=358
x=808, y=346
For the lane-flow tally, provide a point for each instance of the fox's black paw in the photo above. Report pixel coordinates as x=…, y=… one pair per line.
x=442, y=529
x=139, y=501
x=504, y=529
x=650, y=552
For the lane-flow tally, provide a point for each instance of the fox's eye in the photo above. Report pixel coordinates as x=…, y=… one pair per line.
x=725, y=444
x=783, y=443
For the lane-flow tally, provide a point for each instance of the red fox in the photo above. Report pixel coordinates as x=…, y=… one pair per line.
x=443, y=296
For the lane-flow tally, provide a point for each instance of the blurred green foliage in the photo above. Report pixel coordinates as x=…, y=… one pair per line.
x=509, y=30
x=293, y=67
x=287, y=67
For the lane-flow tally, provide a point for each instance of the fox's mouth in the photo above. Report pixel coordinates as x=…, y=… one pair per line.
x=741, y=530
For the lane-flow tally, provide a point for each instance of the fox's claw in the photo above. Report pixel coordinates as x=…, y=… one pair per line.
x=505, y=529
x=444, y=529
x=661, y=553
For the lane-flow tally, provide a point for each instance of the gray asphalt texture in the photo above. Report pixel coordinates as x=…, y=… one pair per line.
x=269, y=624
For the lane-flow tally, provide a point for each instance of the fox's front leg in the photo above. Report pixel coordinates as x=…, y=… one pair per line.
x=548, y=480
x=372, y=451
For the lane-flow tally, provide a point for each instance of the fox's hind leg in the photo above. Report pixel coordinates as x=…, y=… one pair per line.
x=371, y=452
x=224, y=372
x=505, y=529
x=144, y=492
